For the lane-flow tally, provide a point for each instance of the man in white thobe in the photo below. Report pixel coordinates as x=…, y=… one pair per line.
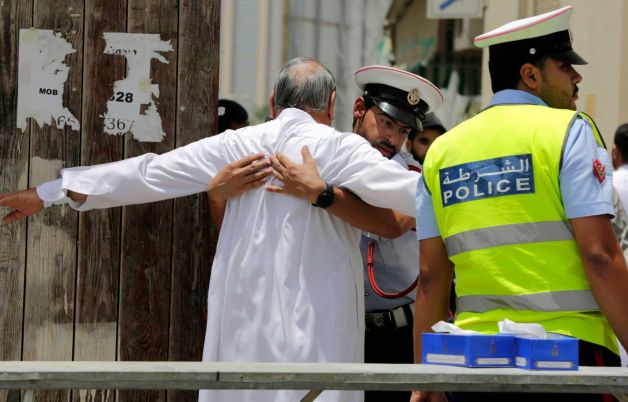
x=287, y=281
x=619, y=155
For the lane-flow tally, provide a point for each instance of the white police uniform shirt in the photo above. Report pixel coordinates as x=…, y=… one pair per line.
x=395, y=264
x=581, y=193
x=286, y=281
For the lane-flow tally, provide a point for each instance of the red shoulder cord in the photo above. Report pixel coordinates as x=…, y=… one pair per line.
x=371, y=274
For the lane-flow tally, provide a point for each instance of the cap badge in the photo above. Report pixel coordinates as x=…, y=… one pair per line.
x=414, y=97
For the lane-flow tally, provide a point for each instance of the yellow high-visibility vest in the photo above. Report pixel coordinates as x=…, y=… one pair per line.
x=496, y=195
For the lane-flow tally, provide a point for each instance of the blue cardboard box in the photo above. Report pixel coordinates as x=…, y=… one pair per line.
x=468, y=350
x=556, y=352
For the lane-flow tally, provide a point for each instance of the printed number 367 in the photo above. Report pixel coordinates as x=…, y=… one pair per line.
x=121, y=125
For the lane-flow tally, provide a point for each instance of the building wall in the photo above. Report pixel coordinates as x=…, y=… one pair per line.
x=623, y=82
x=600, y=35
x=414, y=35
x=259, y=36
x=111, y=284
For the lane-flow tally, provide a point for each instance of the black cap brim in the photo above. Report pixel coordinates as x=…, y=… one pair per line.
x=399, y=114
x=570, y=57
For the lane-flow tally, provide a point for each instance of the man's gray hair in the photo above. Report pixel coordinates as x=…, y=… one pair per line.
x=304, y=83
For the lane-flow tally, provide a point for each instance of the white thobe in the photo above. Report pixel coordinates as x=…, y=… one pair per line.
x=286, y=282
x=620, y=183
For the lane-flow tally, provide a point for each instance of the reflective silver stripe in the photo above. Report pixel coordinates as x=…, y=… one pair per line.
x=567, y=300
x=518, y=233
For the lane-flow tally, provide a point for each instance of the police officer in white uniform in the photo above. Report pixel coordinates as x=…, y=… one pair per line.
x=393, y=105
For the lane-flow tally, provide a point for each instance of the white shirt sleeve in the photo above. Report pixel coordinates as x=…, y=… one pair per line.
x=426, y=225
x=376, y=180
x=145, y=178
x=582, y=193
x=52, y=193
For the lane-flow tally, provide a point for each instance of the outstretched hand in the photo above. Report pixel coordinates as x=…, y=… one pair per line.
x=238, y=177
x=24, y=203
x=301, y=181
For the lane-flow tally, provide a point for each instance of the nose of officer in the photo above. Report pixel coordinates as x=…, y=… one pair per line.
x=575, y=76
x=395, y=135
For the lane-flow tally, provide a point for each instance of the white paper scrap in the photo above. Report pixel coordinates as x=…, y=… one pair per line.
x=41, y=79
x=132, y=107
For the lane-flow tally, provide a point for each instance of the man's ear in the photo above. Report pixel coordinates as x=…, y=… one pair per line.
x=530, y=76
x=273, y=112
x=359, y=108
x=332, y=102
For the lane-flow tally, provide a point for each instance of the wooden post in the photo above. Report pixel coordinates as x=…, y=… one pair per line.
x=14, y=158
x=194, y=238
x=118, y=284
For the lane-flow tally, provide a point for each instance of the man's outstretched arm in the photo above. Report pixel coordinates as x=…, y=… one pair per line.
x=304, y=181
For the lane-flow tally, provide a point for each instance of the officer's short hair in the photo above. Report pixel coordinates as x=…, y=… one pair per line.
x=306, y=87
x=506, y=74
x=621, y=141
x=368, y=103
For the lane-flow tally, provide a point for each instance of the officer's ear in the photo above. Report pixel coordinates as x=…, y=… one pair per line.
x=359, y=108
x=530, y=76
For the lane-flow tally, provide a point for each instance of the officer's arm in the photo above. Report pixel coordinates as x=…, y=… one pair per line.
x=217, y=210
x=303, y=181
x=605, y=268
x=381, y=221
x=234, y=179
x=432, y=299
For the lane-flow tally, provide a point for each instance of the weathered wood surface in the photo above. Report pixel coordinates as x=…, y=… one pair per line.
x=146, y=261
x=117, y=284
x=14, y=157
x=194, y=239
x=99, y=244
x=52, y=234
x=195, y=375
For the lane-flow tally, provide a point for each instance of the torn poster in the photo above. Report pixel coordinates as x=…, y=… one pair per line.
x=41, y=77
x=132, y=107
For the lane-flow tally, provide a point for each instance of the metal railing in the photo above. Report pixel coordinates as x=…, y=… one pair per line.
x=316, y=377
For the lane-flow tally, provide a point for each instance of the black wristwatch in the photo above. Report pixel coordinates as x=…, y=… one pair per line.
x=326, y=198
